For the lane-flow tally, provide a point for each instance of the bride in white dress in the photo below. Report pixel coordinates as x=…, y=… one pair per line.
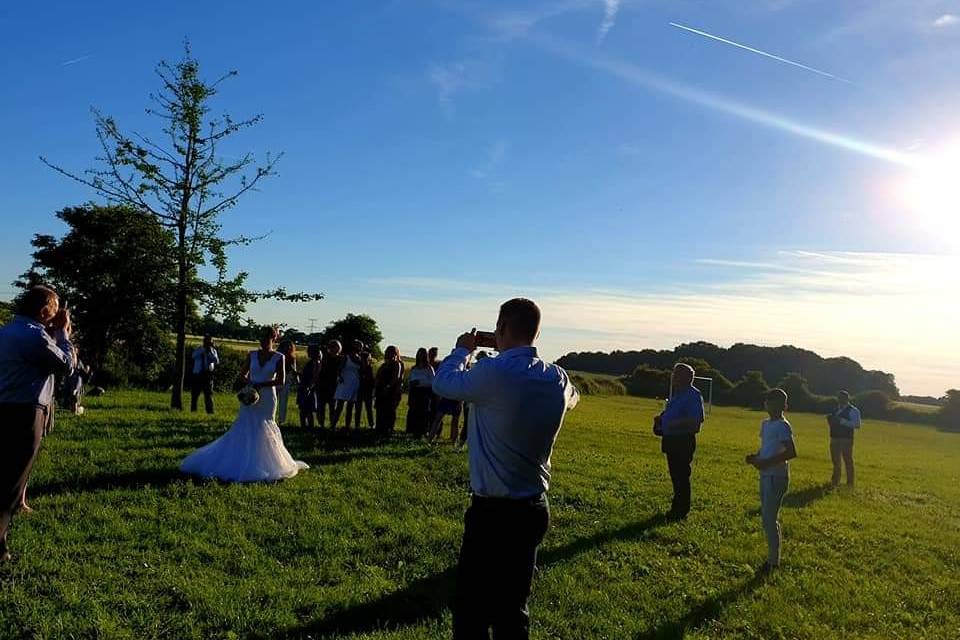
x=252, y=450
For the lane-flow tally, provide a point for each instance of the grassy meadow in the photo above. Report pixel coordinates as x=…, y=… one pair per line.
x=364, y=543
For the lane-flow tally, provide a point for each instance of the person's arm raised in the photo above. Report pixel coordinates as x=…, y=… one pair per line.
x=57, y=350
x=454, y=381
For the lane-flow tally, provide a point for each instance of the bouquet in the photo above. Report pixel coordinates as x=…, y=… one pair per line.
x=248, y=396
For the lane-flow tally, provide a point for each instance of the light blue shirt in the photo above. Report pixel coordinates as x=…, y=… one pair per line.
x=519, y=402
x=29, y=358
x=204, y=361
x=683, y=405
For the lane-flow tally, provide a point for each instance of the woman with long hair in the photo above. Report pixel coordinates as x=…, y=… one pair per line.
x=348, y=387
x=252, y=450
x=389, y=390
x=420, y=395
x=289, y=351
x=368, y=382
x=327, y=383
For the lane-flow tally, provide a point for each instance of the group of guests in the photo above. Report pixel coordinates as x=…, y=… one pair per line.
x=518, y=404
x=426, y=409
x=334, y=384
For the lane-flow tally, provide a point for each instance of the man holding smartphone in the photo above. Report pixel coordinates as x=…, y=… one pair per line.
x=518, y=405
x=34, y=347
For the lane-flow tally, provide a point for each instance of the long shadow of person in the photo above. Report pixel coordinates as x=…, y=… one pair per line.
x=430, y=597
x=802, y=498
x=703, y=613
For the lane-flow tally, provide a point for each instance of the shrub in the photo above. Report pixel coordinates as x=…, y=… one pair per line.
x=647, y=382
x=949, y=415
x=873, y=404
x=590, y=386
x=749, y=392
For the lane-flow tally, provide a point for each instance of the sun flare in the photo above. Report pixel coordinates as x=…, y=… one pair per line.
x=932, y=194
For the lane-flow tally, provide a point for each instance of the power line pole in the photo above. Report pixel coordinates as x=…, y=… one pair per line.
x=312, y=325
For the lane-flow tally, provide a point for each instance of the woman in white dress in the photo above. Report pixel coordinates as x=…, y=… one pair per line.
x=252, y=450
x=348, y=387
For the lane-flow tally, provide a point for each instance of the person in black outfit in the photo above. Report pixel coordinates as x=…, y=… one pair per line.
x=420, y=397
x=307, y=389
x=679, y=425
x=368, y=383
x=389, y=390
x=327, y=383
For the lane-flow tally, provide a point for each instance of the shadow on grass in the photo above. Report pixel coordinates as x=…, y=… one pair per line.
x=802, y=498
x=428, y=598
x=110, y=481
x=705, y=612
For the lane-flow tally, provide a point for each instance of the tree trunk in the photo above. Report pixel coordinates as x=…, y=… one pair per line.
x=180, y=320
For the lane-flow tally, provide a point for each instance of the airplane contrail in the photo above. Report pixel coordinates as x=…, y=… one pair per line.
x=76, y=60
x=758, y=51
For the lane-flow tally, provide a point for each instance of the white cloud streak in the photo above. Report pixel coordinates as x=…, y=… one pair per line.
x=610, y=10
x=946, y=20
x=760, y=52
x=74, y=61
x=648, y=80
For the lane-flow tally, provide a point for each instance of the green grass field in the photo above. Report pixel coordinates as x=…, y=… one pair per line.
x=364, y=543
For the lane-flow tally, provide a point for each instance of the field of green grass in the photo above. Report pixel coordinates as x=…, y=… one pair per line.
x=364, y=543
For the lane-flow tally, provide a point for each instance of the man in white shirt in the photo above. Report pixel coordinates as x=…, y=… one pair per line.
x=777, y=448
x=843, y=422
x=205, y=361
x=518, y=405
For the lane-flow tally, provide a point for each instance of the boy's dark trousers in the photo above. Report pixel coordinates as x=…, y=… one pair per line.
x=497, y=560
x=202, y=383
x=21, y=429
x=679, y=451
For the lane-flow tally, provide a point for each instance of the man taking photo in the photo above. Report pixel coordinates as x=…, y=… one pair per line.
x=519, y=402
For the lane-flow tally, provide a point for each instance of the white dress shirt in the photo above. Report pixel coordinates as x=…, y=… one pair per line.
x=519, y=402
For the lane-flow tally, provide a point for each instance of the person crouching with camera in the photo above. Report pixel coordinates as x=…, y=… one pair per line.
x=519, y=402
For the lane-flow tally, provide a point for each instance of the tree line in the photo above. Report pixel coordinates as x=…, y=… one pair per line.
x=823, y=375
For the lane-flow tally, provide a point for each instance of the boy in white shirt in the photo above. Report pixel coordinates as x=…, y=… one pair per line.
x=776, y=448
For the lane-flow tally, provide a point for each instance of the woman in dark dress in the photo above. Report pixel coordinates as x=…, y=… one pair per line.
x=368, y=383
x=420, y=395
x=327, y=382
x=389, y=390
x=307, y=389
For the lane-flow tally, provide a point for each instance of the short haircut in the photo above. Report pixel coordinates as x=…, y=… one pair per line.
x=521, y=317
x=683, y=366
x=34, y=300
x=844, y=394
x=778, y=396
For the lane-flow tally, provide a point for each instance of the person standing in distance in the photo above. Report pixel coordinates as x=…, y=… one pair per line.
x=519, y=402
x=34, y=347
x=205, y=360
x=843, y=422
x=678, y=427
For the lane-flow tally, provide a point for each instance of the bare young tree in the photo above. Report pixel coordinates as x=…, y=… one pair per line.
x=182, y=180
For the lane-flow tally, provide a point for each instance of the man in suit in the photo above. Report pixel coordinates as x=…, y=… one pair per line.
x=34, y=347
x=205, y=361
x=843, y=422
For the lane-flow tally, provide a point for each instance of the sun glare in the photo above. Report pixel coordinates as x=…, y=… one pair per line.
x=932, y=194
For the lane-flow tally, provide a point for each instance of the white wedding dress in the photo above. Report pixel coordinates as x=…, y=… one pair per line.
x=252, y=450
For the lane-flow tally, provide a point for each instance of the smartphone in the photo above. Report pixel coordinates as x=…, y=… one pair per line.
x=486, y=340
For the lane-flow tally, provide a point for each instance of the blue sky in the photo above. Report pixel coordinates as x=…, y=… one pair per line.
x=648, y=184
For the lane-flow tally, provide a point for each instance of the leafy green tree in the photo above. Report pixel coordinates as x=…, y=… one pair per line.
x=949, y=414
x=116, y=270
x=355, y=327
x=6, y=312
x=180, y=178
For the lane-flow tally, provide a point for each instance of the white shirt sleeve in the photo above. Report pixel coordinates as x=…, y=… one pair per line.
x=454, y=381
x=571, y=393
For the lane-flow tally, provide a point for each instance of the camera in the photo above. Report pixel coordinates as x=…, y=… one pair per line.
x=486, y=340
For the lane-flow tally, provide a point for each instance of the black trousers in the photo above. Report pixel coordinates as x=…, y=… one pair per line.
x=202, y=383
x=497, y=560
x=386, y=415
x=679, y=450
x=21, y=429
